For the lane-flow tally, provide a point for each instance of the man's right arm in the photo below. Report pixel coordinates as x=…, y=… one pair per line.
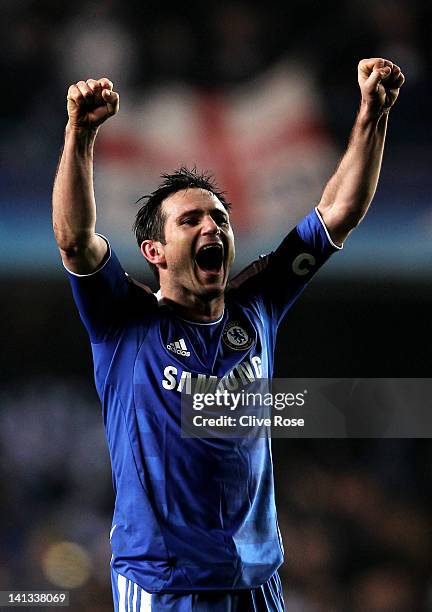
x=89, y=104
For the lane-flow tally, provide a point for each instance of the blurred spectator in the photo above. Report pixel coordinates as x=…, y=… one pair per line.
x=385, y=589
x=95, y=44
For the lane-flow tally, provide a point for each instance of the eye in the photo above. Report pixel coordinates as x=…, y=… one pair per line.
x=188, y=221
x=221, y=220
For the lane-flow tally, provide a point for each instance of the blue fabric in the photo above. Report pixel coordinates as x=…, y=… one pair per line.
x=190, y=514
x=130, y=597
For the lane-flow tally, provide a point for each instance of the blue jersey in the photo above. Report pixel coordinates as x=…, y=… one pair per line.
x=190, y=513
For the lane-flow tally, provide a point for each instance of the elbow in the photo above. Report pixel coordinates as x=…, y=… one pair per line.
x=72, y=244
x=350, y=219
x=340, y=222
x=347, y=215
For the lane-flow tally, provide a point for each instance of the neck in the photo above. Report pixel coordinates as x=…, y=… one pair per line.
x=193, y=307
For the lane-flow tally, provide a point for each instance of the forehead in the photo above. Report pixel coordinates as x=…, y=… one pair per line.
x=190, y=199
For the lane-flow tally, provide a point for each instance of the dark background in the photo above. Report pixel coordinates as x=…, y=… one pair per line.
x=354, y=514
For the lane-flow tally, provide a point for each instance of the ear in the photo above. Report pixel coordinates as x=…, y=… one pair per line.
x=153, y=251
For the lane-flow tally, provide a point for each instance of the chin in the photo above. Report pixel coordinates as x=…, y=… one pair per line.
x=209, y=285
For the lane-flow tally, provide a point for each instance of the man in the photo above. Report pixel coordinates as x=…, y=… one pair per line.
x=194, y=524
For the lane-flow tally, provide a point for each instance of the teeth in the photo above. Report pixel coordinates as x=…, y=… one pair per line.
x=209, y=246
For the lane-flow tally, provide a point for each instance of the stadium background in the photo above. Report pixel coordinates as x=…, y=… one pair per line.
x=264, y=95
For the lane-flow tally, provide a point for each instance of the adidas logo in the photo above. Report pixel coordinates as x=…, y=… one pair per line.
x=179, y=347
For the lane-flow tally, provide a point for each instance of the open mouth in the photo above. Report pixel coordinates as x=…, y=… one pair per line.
x=209, y=258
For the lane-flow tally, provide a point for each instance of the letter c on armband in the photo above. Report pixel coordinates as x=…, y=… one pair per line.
x=303, y=263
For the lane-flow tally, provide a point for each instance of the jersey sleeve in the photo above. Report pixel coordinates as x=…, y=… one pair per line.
x=106, y=298
x=278, y=279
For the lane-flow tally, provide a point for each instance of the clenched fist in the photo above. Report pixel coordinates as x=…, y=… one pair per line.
x=380, y=81
x=91, y=102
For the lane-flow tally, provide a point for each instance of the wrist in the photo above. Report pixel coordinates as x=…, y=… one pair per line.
x=369, y=115
x=81, y=132
x=81, y=137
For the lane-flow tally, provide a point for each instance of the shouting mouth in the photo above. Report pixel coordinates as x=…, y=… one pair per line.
x=209, y=258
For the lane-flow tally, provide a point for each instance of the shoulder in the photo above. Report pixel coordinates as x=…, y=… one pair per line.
x=142, y=295
x=141, y=286
x=248, y=273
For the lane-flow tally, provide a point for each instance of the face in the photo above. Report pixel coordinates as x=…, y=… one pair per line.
x=199, y=243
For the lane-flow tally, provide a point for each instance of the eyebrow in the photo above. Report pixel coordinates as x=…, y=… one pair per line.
x=195, y=212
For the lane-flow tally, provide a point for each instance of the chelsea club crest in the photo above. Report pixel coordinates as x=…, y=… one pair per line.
x=236, y=336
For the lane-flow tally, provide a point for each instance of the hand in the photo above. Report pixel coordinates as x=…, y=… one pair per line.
x=380, y=81
x=91, y=102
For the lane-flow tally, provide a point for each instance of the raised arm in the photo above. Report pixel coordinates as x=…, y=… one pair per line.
x=349, y=192
x=89, y=104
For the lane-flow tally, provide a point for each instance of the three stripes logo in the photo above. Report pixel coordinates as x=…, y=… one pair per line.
x=179, y=347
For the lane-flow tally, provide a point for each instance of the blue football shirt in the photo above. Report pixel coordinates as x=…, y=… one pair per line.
x=191, y=513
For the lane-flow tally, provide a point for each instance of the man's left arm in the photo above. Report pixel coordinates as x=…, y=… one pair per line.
x=348, y=194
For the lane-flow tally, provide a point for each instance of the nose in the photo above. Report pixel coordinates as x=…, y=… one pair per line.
x=210, y=226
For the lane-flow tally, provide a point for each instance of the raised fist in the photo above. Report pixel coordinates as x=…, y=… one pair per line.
x=91, y=102
x=380, y=81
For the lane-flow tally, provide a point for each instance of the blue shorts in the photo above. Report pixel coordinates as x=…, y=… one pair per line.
x=129, y=597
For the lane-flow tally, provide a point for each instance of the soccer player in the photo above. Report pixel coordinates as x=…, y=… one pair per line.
x=194, y=525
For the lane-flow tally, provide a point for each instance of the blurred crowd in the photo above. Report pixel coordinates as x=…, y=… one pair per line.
x=355, y=515
x=47, y=45
x=356, y=522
